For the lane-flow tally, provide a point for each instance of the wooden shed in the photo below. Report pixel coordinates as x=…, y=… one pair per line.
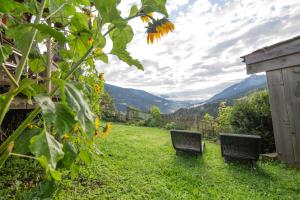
x=281, y=62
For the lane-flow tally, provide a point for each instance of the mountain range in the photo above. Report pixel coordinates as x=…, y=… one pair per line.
x=238, y=90
x=142, y=100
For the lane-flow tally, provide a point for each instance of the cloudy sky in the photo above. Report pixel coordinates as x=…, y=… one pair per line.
x=202, y=56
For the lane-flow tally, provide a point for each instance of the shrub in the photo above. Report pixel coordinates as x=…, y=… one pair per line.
x=170, y=126
x=108, y=110
x=252, y=115
x=155, y=120
x=223, y=119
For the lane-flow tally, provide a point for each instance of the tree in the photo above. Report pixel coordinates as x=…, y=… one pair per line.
x=108, y=109
x=224, y=114
x=207, y=117
x=156, y=118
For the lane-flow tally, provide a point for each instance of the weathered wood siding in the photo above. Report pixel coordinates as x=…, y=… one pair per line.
x=284, y=91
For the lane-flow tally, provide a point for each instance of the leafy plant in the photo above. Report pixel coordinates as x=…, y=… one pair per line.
x=250, y=115
x=73, y=34
x=156, y=119
x=253, y=116
x=223, y=118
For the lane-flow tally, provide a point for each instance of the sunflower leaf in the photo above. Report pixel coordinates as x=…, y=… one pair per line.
x=109, y=12
x=78, y=104
x=46, y=145
x=155, y=6
x=133, y=11
x=125, y=57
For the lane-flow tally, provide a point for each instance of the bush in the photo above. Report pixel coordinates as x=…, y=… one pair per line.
x=252, y=115
x=155, y=120
x=170, y=126
x=223, y=119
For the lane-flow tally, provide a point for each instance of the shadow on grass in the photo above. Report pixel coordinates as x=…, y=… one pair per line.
x=236, y=167
x=186, y=160
x=257, y=179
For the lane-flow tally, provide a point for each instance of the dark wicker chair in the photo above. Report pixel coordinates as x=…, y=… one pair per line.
x=187, y=141
x=240, y=147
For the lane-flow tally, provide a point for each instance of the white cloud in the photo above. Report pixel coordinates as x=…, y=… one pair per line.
x=204, y=50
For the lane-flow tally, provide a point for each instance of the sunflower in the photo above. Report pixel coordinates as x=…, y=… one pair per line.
x=97, y=133
x=97, y=88
x=158, y=29
x=106, y=129
x=90, y=41
x=66, y=136
x=146, y=18
x=101, y=76
x=97, y=123
x=76, y=127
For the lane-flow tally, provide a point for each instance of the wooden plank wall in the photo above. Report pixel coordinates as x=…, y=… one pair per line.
x=284, y=91
x=291, y=77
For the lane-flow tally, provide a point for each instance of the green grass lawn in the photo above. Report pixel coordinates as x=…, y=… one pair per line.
x=140, y=163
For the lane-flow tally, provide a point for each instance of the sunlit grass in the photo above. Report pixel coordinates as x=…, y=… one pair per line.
x=140, y=163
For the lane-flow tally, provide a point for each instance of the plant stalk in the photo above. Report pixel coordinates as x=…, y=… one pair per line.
x=49, y=65
x=20, y=68
x=11, y=78
x=37, y=110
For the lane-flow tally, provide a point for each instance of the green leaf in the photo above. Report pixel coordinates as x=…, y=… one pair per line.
x=50, y=172
x=21, y=38
x=9, y=5
x=7, y=51
x=64, y=119
x=133, y=11
x=109, y=12
x=47, y=106
x=56, y=175
x=125, y=57
x=74, y=171
x=70, y=155
x=33, y=89
x=59, y=114
x=121, y=37
x=46, y=145
x=22, y=143
x=100, y=41
x=81, y=108
x=85, y=156
x=79, y=22
x=45, y=29
x=103, y=57
x=79, y=45
x=36, y=65
x=149, y=6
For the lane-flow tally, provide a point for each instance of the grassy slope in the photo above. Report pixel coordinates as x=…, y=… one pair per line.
x=140, y=163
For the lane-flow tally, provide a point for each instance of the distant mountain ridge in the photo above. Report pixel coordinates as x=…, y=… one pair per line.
x=254, y=82
x=236, y=91
x=142, y=100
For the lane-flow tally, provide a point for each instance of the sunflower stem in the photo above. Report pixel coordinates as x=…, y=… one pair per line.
x=37, y=110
